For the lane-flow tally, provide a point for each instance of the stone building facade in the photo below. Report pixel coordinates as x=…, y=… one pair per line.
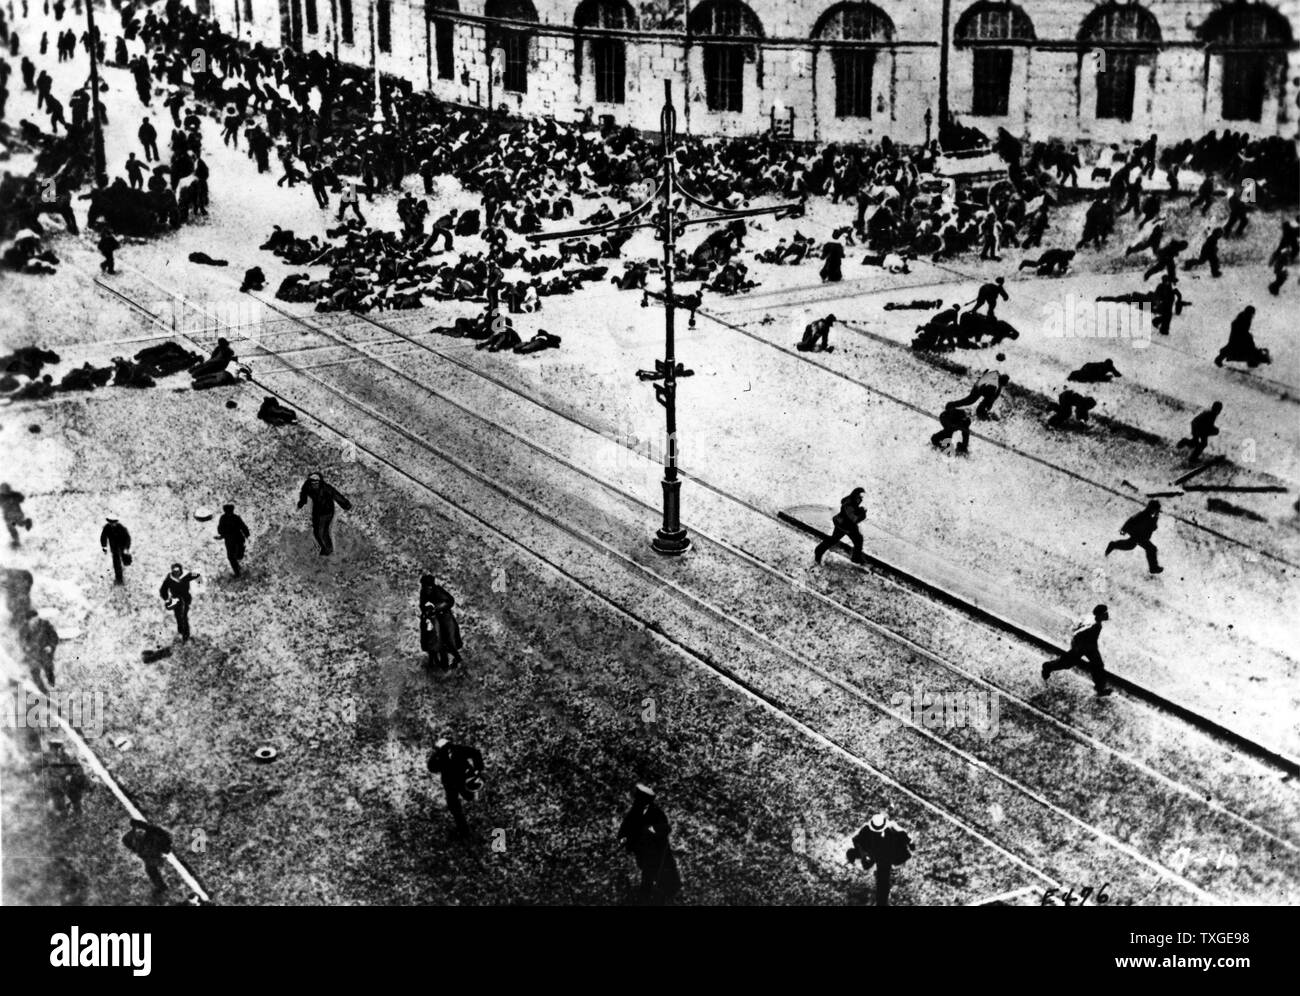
x=827, y=71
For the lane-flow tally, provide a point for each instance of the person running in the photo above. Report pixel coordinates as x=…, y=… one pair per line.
x=845, y=523
x=1203, y=428
x=1138, y=531
x=1084, y=652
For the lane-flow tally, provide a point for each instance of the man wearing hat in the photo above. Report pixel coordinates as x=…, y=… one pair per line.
x=323, y=497
x=175, y=593
x=884, y=844
x=988, y=296
x=461, y=768
x=1083, y=651
x=115, y=539
x=231, y=528
x=644, y=832
x=1138, y=530
x=845, y=523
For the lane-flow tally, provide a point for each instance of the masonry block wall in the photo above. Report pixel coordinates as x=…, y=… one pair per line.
x=1177, y=80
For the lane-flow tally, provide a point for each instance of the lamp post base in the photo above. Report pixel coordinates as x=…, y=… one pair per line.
x=671, y=540
x=671, y=544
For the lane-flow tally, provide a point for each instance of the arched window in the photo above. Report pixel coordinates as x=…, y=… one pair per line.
x=1123, y=36
x=608, y=55
x=1250, y=38
x=720, y=23
x=513, y=41
x=1120, y=23
x=993, y=23
x=1246, y=25
x=444, y=36
x=989, y=29
x=853, y=32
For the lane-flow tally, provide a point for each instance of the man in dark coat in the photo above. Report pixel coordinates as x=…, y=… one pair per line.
x=1083, y=652
x=1209, y=253
x=1071, y=403
x=1095, y=372
x=107, y=246
x=39, y=639
x=1052, y=263
x=1203, y=428
x=845, y=523
x=644, y=832
x=151, y=844
x=114, y=538
x=884, y=844
x=231, y=529
x=176, y=595
x=1166, y=302
x=1205, y=195
x=324, y=497
x=1241, y=346
x=817, y=335
x=135, y=171
x=1138, y=530
x=221, y=356
x=461, y=769
x=148, y=135
x=952, y=420
x=11, y=506
x=439, y=631
x=833, y=256
x=988, y=296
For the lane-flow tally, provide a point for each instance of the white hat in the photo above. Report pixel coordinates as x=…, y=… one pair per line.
x=110, y=516
x=644, y=790
x=440, y=743
x=877, y=823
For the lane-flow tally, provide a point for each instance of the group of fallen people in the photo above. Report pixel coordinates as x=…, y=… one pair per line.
x=141, y=371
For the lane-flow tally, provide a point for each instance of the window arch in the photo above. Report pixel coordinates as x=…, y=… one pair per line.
x=854, y=22
x=993, y=23
x=1113, y=23
x=854, y=31
x=725, y=19
x=1246, y=25
x=514, y=42
x=608, y=55
x=610, y=15
x=719, y=23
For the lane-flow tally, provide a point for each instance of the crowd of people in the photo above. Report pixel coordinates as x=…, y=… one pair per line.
x=310, y=114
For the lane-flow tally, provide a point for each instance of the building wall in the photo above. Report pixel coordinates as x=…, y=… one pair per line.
x=1053, y=88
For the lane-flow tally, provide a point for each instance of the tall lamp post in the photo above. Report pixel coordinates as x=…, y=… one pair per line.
x=669, y=222
x=101, y=169
x=495, y=236
x=377, y=112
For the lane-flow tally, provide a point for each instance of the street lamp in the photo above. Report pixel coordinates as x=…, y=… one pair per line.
x=495, y=236
x=669, y=222
x=377, y=112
